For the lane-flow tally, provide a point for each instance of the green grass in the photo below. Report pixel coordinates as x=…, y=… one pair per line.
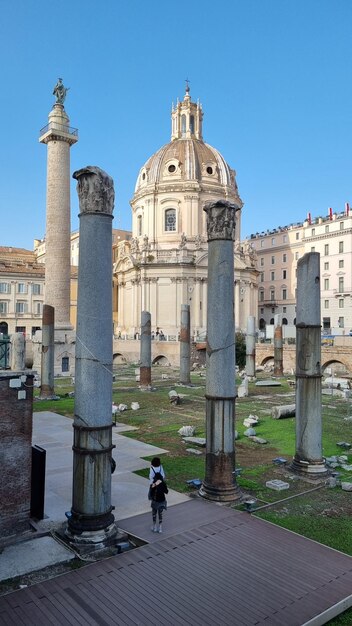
x=157, y=423
x=318, y=528
x=323, y=515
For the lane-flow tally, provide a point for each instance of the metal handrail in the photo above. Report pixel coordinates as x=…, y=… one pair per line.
x=60, y=127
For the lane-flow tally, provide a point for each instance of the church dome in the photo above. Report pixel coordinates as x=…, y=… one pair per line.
x=187, y=158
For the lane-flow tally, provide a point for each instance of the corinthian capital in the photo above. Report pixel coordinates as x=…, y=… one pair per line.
x=95, y=190
x=221, y=216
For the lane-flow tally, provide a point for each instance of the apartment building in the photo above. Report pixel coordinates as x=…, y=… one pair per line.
x=278, y=251
x=21, y=291
x=22, y=287
x=117, y=236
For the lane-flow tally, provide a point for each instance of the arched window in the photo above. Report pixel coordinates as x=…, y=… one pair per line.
x=272, y=321
x=284, y=321
x=183, y=125
x=262, y=324
x=191, y=124
x=170, y=220
x=139, y=225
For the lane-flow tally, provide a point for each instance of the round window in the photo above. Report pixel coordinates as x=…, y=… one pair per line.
x=171, y=169
x=209, y=170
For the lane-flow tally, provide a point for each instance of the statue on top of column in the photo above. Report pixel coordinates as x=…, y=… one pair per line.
x=60, y=91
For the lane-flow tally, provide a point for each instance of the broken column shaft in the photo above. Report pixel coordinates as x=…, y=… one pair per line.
x=92, y=520
x=219, y=483
x=250, y=347
x=47, y=357
x=308, y=458
x=278, y=349
x=185, y=345
x=145, y=370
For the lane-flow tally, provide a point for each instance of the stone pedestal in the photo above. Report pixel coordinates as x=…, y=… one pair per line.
x=185, y=345
x=92, y=520
x=250, y=347
x=308, y=458
x=145, y=370
x=219, y=483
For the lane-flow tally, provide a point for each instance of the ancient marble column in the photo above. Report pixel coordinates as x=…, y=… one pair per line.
x=145, y=369
x=92, y=520
x=18, y=351
x=219, y=483
x=59, y=137
x=185, y=345
x=47, y=356
x=308, y=458
x=278, y=348
x=250, y=347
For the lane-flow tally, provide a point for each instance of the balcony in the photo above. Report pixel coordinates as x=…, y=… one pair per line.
x=61, y=128
x=268, y=303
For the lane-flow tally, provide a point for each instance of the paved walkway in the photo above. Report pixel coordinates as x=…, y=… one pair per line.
x=128, y=490
x=213, y=565
x=54, y=433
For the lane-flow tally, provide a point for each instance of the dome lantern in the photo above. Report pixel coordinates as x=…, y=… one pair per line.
x=186, y=118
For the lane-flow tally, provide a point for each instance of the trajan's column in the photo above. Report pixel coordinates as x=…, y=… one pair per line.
x=59, y=137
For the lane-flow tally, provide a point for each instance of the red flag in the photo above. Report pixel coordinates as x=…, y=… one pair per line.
x=330, y=213
x=347, y=208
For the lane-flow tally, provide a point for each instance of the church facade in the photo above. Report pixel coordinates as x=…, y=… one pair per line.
x=164, y=265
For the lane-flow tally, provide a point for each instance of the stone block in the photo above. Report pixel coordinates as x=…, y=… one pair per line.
x=15, y=383
x=277, y=485
x=197, y=441
x=346, y=486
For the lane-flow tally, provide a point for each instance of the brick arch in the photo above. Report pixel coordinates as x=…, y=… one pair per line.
x=266, y=359
x=340, y=361
x=118, y=358
x=161, y=359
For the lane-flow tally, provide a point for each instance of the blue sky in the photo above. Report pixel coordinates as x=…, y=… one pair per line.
x=274, y=78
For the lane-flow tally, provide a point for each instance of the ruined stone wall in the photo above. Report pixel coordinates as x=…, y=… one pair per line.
x=16, y=406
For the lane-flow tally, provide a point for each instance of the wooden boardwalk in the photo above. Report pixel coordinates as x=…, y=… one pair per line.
x=212, y=566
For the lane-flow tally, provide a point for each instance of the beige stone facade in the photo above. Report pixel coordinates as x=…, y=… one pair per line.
x=164, y=265
x=278, y=252
x=22, y=291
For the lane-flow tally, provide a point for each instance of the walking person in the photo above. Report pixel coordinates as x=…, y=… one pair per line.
x=158, y=503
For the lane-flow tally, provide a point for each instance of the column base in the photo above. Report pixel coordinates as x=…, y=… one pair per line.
x=220, y=494
x=93, y=541
x=313, y=469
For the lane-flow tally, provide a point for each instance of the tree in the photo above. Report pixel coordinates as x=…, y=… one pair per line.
x=240, y=350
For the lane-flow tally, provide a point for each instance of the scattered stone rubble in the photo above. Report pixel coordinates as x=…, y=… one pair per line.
x=187, y=431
